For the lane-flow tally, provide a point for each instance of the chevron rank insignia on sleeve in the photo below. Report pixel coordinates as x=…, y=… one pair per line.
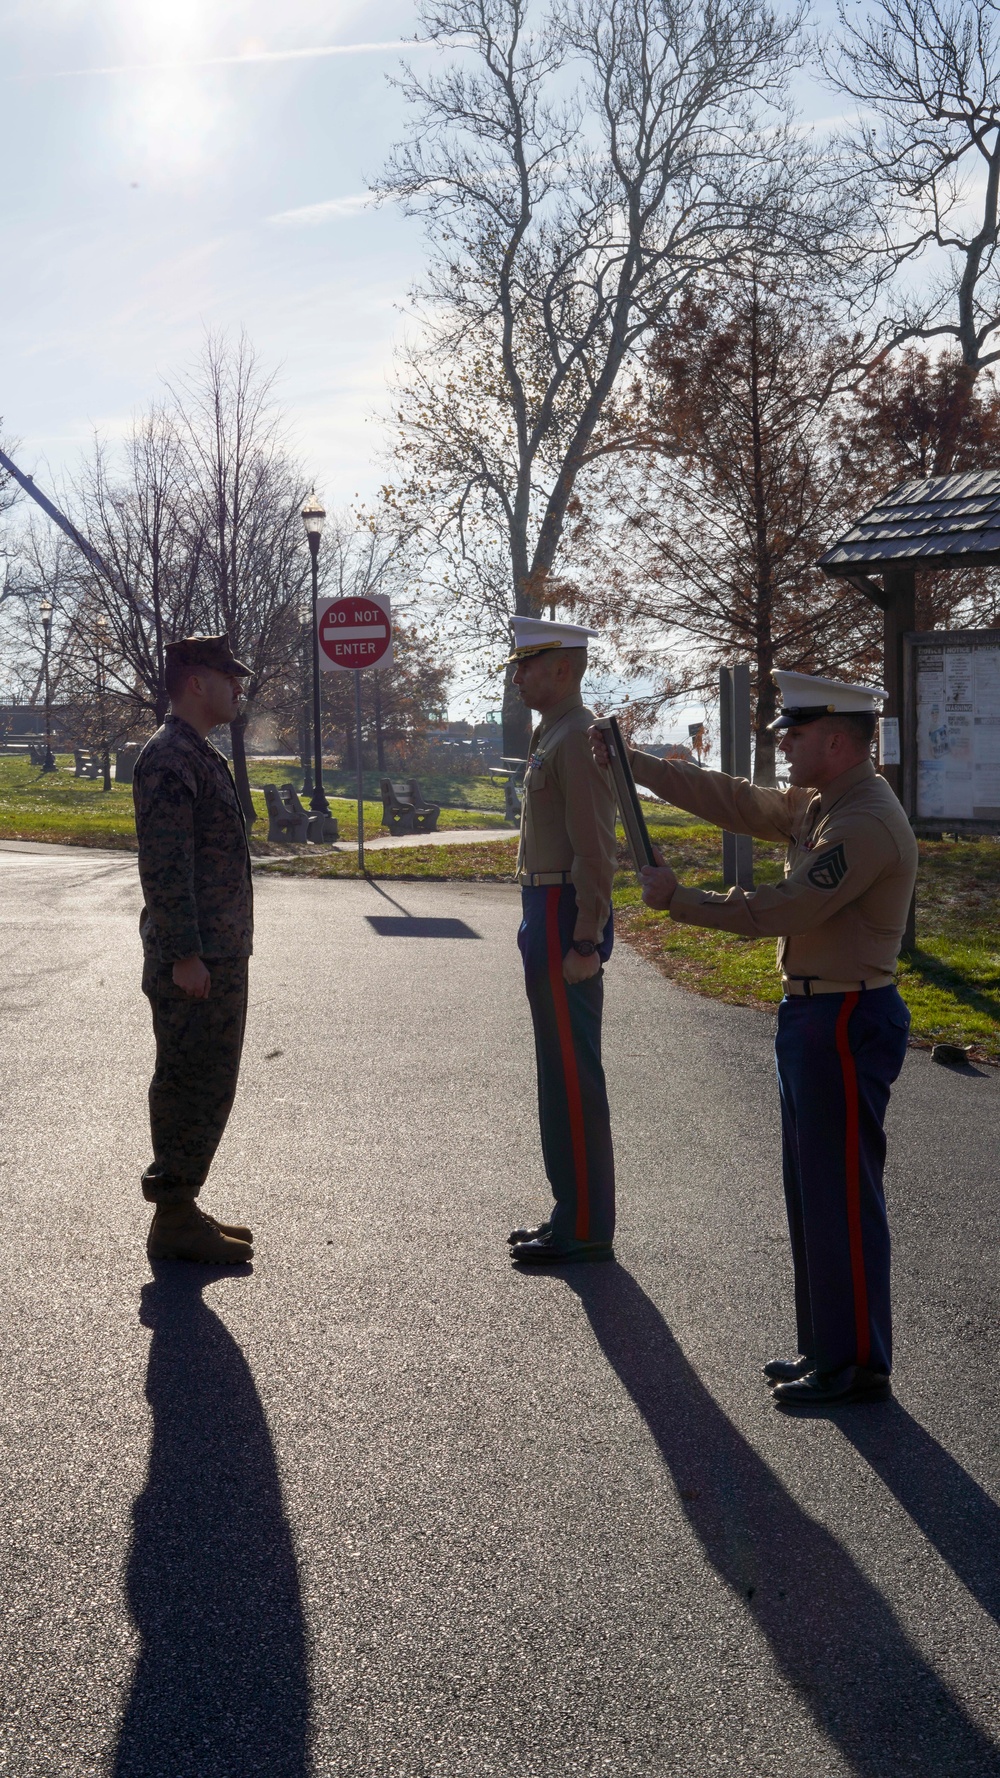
x=829, y=869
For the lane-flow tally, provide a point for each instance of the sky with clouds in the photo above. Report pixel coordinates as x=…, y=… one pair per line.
x=177, y=164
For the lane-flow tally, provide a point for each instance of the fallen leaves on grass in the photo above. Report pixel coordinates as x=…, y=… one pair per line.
x=491, y=862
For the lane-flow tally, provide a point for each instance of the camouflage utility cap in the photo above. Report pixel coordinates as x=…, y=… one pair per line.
x=206, y=651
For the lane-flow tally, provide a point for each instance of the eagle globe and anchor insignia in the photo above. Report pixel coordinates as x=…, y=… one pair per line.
x=829, y=869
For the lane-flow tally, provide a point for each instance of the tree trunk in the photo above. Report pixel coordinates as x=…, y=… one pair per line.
x=955, y=414
x=767, y=702
x=518, y=721
x=106, y=764
x=237, y=732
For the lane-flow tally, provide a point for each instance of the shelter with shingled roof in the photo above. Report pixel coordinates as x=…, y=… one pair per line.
x=940, y=522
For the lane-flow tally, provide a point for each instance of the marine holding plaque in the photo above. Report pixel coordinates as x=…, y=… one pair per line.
x=839, y=916
x=566, y=865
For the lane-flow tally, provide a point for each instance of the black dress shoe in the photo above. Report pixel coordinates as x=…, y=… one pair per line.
x=544, y=1251
x=788, y=1370
x=516, y=1235
x=821, y=1389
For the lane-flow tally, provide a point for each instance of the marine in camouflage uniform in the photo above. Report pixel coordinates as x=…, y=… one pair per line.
x=196, y=925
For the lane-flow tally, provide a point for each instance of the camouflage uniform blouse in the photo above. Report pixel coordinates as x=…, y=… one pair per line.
x=194, y=862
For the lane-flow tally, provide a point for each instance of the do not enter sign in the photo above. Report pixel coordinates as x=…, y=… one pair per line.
x=355, y=633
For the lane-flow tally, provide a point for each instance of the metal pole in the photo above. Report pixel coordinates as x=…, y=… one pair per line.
x=305, y=750
x=317, y=802
x=742, y=764
x=726, y=763
x=361, y=774
x=102, y=713
x=50, y=764
x=734, y=747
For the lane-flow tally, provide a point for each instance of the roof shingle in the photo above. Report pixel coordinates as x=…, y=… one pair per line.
x=941, y=521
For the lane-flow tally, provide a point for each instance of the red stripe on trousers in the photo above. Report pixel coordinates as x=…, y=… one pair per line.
x=574, y=1100
x=852, y=1174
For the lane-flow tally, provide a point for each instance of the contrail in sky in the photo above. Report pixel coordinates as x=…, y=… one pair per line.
x=255, y=55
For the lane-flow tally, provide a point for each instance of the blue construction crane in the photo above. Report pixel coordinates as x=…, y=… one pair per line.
x=66, y=525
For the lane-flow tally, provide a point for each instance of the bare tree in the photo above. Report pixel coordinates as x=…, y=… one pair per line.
x=253, y=560
x=367, y=552
x=705, y=549
x=565, y=218
x=9, y=496
x=141, y=517
x=926, y=76
x=40, y=570
x=890, y=431
x=100, y=715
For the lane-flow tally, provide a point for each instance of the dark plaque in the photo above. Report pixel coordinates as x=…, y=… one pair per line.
x=633, y=820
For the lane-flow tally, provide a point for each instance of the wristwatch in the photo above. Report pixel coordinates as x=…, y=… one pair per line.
x=584, y=947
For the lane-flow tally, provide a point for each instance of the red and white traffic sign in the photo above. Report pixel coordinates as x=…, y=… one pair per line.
x=354, y=633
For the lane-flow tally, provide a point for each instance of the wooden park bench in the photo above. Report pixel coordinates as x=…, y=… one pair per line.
x=511, y=795
x=320, y=828
x=125, y=758
x=287, y=819
x=398, y=813
x=425, y=815
x=282, y=822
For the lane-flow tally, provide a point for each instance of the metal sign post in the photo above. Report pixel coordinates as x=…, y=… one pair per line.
x=355, y=633
x=361, y=771
x=734, y=745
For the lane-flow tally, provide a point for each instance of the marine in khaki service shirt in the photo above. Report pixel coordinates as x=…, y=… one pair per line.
x=850, y=867
x=568, y=815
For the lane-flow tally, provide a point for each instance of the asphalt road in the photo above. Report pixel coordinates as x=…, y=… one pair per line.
x=383, y=1507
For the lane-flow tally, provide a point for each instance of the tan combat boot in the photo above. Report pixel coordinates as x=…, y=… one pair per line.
x=234, y=1229
x=182, y=1231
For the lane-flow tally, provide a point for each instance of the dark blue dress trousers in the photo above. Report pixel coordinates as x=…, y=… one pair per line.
x=572, y=1096
x=837, y=1057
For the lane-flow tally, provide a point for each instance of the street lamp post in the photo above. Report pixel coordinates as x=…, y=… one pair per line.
x=45, y=612
x=306, y=621
x=101, y=626
x=313, y=518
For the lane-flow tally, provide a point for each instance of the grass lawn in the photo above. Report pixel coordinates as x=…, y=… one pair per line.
x=491, y=862
x=57, y=806
x=951, y=982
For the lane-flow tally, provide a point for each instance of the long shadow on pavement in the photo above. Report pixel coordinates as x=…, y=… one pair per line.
x=831, y=1633
x=954, y=1513
x=221, y=1686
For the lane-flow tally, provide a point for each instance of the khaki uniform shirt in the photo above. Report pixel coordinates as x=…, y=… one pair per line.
x=568, y=816
x=194, y=861
x=850, y=867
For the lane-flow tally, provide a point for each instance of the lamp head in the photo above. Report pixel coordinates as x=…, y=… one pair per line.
x=313, y=515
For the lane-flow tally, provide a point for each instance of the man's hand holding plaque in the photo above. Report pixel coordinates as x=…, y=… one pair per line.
x=658, y=882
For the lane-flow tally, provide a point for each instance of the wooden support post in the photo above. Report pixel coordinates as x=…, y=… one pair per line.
x=900, y=616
